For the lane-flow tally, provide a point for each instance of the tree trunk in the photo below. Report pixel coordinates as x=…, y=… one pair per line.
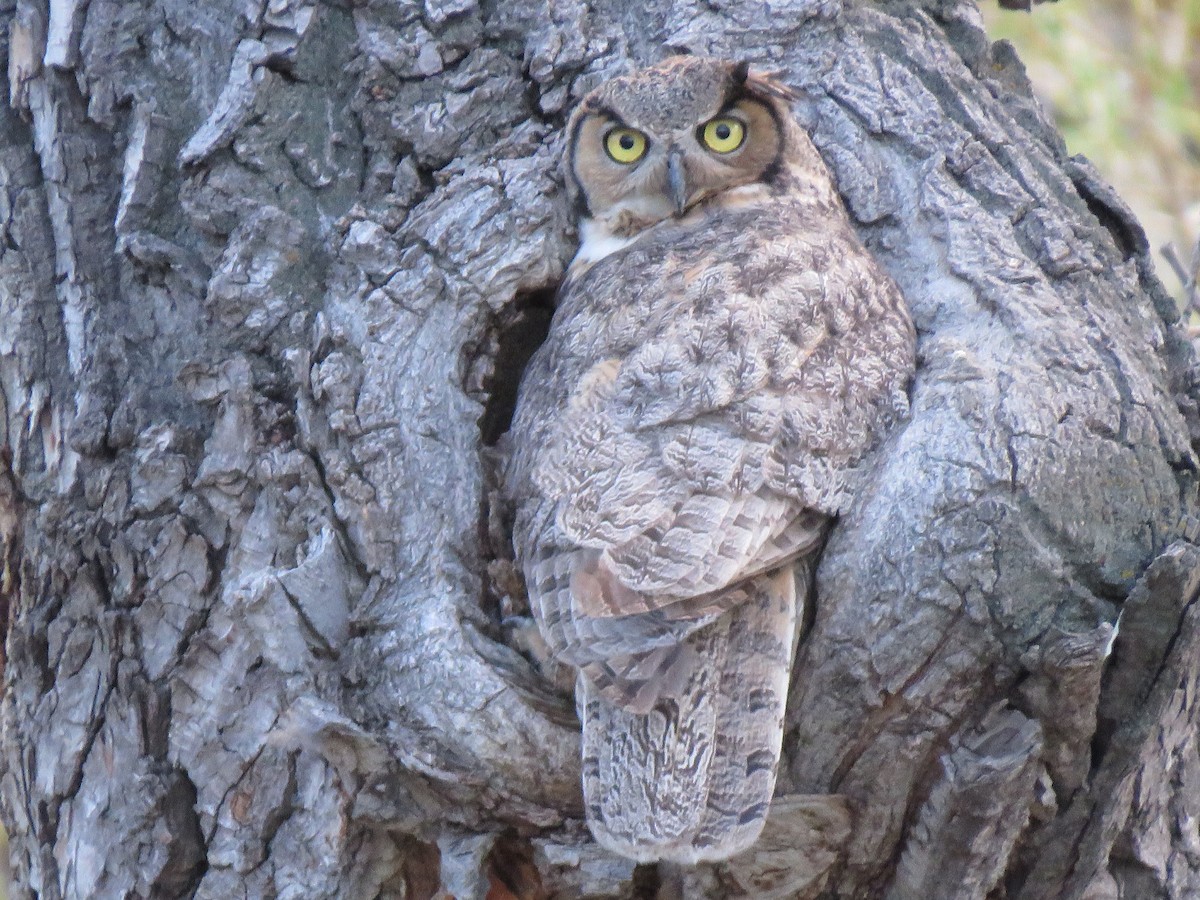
x=268, y=278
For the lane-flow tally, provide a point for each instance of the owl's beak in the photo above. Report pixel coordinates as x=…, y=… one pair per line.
x=677, y=180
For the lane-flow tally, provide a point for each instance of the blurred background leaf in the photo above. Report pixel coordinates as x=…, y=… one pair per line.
x=1122, y=80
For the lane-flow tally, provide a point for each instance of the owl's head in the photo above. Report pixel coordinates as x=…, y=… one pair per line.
x=653, y=144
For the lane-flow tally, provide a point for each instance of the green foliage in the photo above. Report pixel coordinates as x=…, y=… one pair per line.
x=1122, y=79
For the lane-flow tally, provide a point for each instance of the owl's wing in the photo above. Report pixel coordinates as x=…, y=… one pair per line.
x=696, y=427
x=695, y=461
x=634, y=658
x=654, y=523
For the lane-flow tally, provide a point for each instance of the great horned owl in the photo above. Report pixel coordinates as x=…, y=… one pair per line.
x=723, y=353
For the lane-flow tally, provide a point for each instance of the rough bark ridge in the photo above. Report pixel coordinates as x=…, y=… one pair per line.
x=268, y=273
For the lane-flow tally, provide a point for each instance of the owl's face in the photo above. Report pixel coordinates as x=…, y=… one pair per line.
x=654, y=144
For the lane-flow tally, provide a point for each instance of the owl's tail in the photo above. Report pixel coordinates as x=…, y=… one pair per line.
x=692, y=779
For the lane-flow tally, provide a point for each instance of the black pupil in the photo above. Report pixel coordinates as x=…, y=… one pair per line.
x=626, y=141
x=723, y=132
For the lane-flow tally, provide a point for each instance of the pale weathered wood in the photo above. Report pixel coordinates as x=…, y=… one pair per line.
x=269, y=272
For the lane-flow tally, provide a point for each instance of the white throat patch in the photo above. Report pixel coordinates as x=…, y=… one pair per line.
x=597, y=242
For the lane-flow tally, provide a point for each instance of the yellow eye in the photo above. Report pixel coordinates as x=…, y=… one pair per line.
x=625, y=145
x=723, y=135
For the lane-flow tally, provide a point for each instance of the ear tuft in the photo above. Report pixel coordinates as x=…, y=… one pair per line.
x=766, y=85
x=741, y=71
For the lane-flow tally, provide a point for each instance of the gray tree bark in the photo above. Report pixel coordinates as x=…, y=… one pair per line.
x=269, y=272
